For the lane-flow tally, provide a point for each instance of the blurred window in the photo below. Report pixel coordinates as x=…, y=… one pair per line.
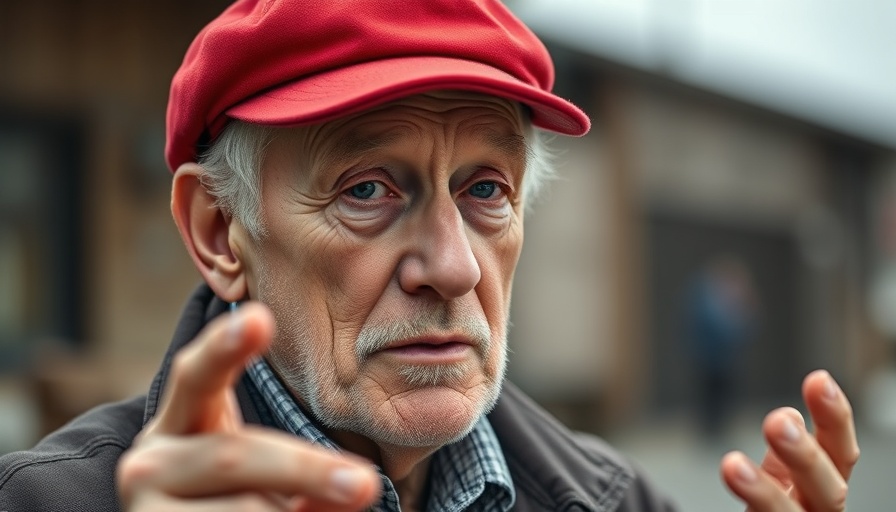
x=41, y=169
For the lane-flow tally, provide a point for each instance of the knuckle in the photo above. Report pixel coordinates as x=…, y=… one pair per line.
x=851, y=458
x=839, y=492
x=232, y=452
x=135, y=469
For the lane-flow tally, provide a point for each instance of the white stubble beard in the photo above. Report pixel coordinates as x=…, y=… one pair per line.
x=344, y=406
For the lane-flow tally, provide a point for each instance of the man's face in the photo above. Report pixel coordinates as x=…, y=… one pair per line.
x=392, y=238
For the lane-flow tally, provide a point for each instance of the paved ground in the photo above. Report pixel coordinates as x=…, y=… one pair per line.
x=686, y=467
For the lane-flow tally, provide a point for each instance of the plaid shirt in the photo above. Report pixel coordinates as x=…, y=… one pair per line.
x=469, y=475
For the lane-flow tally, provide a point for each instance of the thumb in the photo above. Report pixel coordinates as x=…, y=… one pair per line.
x=198, y=394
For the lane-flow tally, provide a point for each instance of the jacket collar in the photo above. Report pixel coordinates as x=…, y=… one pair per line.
x=554, y=467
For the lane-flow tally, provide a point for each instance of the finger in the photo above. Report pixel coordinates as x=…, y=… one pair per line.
x=254, y=459
x=756, y=488
x=816, y=479
x=198, y=394
x=771, y=464
x=833, y=418
x=309, y=505
x=232, y=503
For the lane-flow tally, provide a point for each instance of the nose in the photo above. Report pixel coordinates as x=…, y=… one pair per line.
x=440, y=258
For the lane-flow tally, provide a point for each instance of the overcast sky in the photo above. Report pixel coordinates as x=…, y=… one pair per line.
x=832, y=62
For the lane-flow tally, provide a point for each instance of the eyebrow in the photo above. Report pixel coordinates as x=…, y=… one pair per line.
x=512, y=145
x=354, y=144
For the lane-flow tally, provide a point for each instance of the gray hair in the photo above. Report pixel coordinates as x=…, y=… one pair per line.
x=232, y=163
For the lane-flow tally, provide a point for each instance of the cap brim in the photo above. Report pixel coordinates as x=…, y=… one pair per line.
x=332, y=94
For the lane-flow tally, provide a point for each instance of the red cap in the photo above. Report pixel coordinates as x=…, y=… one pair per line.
x=296, y=62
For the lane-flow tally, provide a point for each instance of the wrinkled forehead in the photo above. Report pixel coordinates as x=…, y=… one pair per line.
x=499, y=123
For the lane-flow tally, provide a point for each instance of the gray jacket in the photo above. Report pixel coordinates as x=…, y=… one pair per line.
x=553, y=469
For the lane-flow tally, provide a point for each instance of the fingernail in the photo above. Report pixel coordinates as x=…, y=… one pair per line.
x=790, y=432
x=830, y=388
x=347, y=483
x=745, y=472
x=234, y=331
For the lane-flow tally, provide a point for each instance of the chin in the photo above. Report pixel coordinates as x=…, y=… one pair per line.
x=432, y=416
x=420, y=417
x=425, y=407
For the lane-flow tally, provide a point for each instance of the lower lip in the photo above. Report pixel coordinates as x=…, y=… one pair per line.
x=443, y=353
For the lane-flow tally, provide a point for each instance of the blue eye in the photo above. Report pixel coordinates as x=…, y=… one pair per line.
x=364, y=190
x=483, y=189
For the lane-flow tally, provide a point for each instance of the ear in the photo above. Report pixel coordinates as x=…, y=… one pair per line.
x=206, y=229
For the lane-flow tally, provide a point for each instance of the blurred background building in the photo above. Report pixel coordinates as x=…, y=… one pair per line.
x=762, y=133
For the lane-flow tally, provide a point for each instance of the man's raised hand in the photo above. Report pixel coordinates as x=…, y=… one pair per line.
x=800, y=471
x=196, y=454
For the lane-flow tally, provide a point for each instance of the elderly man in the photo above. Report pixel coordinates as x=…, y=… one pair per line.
x=350, y=179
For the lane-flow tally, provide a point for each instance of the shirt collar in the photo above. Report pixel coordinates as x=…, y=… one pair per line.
x=470, y=474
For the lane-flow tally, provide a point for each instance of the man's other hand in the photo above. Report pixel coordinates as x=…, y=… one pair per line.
x=800, y=471
x=197, y=455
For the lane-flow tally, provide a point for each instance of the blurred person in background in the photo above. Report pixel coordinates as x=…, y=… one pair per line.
x=350, y=179
x=722, y=316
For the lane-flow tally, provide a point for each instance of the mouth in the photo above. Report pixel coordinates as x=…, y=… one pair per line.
x=432, y=351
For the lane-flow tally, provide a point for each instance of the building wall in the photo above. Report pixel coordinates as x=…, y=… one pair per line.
x=109, y=65
x=102, y=68
x=703, y=177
